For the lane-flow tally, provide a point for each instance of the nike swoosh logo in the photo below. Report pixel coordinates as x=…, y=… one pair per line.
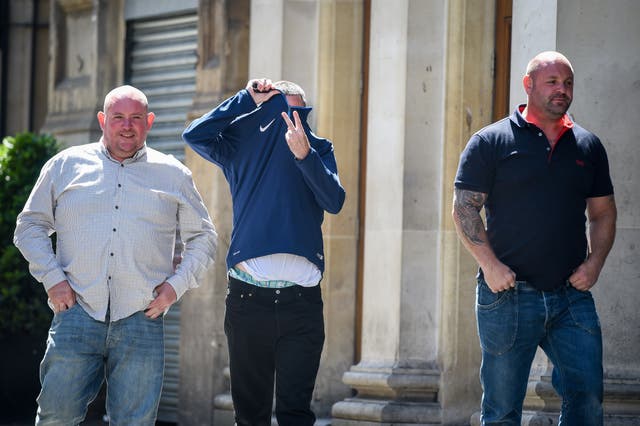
x=264, y=129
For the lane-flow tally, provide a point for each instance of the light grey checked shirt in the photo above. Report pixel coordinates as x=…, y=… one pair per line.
x=115, y=226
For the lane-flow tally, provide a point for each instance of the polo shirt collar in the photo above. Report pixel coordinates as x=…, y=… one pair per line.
x=520, y=121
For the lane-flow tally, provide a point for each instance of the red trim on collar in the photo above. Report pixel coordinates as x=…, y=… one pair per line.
x=566, y=125
x=565, y=121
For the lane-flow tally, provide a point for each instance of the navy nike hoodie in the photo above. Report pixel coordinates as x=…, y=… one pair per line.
x=278, y=201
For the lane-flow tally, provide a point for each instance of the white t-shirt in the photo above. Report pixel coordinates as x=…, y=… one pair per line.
x=283, y=267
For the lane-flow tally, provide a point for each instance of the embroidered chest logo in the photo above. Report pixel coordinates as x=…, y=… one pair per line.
x=264, y=128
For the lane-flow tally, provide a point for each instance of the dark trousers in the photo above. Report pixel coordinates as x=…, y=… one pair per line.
x=273, y=332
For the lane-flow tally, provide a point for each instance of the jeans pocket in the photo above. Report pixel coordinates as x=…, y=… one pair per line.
x=69, y=316
x=235, y=301
x=583, y=310
x=311, y=295
x=497, y=315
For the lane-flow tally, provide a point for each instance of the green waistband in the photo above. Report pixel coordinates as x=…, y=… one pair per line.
x=243, y=276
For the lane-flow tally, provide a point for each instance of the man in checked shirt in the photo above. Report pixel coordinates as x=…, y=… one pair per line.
x=115, y=206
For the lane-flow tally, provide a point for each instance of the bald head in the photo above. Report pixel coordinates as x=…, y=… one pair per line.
x=124, y=92
x=549, y=87
x=544, y=59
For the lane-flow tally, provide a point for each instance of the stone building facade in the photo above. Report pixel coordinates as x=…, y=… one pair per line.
x=399, y=86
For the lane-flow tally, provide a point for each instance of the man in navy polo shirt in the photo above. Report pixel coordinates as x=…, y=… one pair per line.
x=536, y=173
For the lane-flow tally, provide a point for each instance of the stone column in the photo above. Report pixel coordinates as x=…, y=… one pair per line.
x=337, y=111
x=83, y=69
x=419, y=346
x=468, y=92
x=26, y=60
x=397, y=377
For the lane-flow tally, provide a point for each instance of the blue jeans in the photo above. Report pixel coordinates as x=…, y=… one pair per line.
x=564, y=323
x=82, y=352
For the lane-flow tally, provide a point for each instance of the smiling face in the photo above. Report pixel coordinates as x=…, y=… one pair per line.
x=125, y=122
x=549, y=86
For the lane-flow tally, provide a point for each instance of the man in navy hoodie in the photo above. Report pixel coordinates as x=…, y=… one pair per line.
x=282, y=178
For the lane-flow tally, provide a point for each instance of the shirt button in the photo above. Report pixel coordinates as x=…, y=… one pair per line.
x=121, y=165
x=548, y=149
x=110, y=254
x=277, y=291
x=539, y=133
x=276, y=301
x=119, y=185
x=116, y=207
x=109, y=277
x=114, y=229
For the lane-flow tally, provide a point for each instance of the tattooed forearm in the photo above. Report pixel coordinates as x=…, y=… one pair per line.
x=466, y=211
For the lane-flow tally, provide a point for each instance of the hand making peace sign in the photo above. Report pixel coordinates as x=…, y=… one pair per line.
x=296, y=137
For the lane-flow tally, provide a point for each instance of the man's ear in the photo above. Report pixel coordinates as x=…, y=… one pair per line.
x=150, y=118
x=101, y=118
x=527, y=83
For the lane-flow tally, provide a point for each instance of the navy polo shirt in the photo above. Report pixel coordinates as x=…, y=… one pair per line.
x=536, y=195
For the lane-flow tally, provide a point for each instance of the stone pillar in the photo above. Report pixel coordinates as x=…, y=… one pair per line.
x=337, y=112
x=267, y=31
x=420, y=353
x=468, y=93
x=83, y=69
x=223, y=46
x=26, y=61
x=397, y=377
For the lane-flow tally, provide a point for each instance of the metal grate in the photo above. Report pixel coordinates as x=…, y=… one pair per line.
x=168, y=409
x=161, y=62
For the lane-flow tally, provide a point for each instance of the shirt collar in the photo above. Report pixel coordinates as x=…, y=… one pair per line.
x=140, y=154
x=519, y=120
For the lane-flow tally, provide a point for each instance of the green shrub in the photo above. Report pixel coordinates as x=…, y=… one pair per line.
x=23, y=301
